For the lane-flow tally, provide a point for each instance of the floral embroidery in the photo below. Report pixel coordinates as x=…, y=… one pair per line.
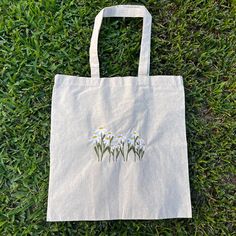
x=106, y=144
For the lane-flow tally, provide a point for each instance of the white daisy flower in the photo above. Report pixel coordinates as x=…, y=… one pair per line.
x=109, y=135
x=135, y=134
x=131, y=141
x=95, y=139
x=106, y=141
x=140, y=142
x=120, y=139
x=101, y=131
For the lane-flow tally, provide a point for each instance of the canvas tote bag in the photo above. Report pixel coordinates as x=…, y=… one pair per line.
x=118, y=145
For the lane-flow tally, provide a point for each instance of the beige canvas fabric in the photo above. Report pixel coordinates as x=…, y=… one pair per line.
x=118, y=145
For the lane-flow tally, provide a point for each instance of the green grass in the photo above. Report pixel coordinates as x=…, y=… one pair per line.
x=39, y=39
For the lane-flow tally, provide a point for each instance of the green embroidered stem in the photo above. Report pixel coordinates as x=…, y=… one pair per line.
x=95, y=148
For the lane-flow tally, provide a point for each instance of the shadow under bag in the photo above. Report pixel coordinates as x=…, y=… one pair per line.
x=118, y=146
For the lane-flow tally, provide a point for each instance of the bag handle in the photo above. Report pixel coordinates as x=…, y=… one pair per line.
x=123, y=11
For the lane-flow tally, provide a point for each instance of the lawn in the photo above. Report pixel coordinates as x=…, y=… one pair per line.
x=195, y=39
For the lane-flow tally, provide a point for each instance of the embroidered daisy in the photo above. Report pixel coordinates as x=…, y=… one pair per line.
x=106, y=141
x=131, y=141
x=135, y=134
x=140, y=144
x=120, y=139
x=109, y=135
x=140, y=141
x=101, y=131
x=95, y=139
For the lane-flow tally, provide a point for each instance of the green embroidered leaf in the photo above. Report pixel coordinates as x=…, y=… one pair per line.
x=106, y=149
x=99, y=146
x=96, y=150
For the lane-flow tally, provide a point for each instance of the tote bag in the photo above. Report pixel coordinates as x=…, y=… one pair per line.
x=118, y=145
